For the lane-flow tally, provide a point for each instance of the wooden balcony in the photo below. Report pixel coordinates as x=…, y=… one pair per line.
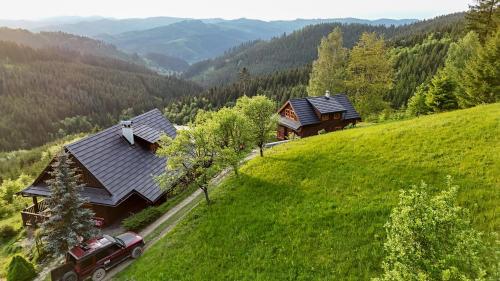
x=35, y=214
x=39, y=212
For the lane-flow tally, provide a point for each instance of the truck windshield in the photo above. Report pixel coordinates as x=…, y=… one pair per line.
x=119, y=241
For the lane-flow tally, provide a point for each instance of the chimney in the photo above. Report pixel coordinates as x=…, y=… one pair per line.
x=127, y=131
x=327, y=93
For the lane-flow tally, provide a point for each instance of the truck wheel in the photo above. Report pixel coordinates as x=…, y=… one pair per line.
x=70, y=276
x=137, y=252
x=98, y=274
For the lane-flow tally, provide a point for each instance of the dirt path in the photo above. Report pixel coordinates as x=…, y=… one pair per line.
x=178, y=213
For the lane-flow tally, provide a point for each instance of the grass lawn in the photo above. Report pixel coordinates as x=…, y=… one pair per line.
x=314, y=209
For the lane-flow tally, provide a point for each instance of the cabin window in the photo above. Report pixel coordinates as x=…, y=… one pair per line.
x=290, y=114
x=324, y=117
x=337, y=115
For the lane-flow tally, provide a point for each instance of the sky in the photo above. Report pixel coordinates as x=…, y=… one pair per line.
x=231, y=9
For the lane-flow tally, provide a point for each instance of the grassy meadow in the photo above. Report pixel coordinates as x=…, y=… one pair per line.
x=314, y=209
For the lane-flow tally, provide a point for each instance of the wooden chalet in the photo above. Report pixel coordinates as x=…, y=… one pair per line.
x=307, y=116
x=118, y=167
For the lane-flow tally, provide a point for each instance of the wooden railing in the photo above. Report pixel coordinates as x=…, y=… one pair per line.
x=31, y=217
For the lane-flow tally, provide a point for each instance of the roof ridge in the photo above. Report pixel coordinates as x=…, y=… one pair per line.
x=111, y=127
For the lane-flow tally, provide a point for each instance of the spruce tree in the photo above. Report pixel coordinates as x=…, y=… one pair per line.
x=70, y=222
x=441, y=94
x=482, y=74
x=458, y=56
x=484, y=18
x=329, y=70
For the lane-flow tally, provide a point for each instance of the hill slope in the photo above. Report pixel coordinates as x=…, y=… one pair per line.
x=314, y=209
x=48, y=93
x=300, y=47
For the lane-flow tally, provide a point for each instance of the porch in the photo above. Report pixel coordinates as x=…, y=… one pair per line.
x=35, y=214
x=39, y=212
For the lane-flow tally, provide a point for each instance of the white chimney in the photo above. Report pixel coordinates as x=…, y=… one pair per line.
x=127, y=131
x=327, y=93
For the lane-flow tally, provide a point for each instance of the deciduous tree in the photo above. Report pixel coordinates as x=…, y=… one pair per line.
x=261, y=113
x=370, y=74
x=329, y=70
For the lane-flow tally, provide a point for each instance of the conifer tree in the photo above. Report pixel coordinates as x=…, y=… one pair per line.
x=70, y=222
x=458, y=56
x=370, y=74
x=482, y=74
x=484, y=18
x=441, y=94
x=329, y=70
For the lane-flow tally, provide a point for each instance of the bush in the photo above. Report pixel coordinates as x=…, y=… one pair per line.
x=7, y=232
x=141, y=219
x=431, y=238
x=20, y=269
x=321, y=132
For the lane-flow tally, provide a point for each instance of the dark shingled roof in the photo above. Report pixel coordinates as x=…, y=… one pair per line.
x=292, y=124
x=326, y=104
x=304, y=109
x=120, y=167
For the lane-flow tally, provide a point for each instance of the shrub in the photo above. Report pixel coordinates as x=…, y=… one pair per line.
x=431, y=238
x=7, y=232
x=141, y=219
x=20, y=269
x=321, y=132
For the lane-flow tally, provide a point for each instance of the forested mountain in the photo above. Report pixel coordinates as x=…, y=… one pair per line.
x=195, y=40
x=62, y=40
x=108, y=25
x=279, y=86
x=300, y=47
x=49, y=93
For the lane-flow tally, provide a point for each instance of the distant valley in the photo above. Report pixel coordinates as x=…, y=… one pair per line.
x=169, y=44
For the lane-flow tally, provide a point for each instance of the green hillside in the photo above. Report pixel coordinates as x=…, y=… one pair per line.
x=314, y=209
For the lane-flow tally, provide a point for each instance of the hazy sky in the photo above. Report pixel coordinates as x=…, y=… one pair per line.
x=230, y=9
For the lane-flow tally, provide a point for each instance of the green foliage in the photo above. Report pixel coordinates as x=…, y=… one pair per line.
x=431, y=238
x=40, y=89
x=20, y=269
x=441, y=94
x=329, y=70
x=483, y=18
x=7, y=232
x=417, y=105
x=260, y=112
x=414, y=65
x=279, y=86
x=233, y=134
x=70, y=220
x=315, y=208
x=459, y=54
x=482, y=74
x=191, y=156
x=370, y=74
x=142, y=219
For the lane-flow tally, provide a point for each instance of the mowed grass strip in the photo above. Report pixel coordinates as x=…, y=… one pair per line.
x=314, y=209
